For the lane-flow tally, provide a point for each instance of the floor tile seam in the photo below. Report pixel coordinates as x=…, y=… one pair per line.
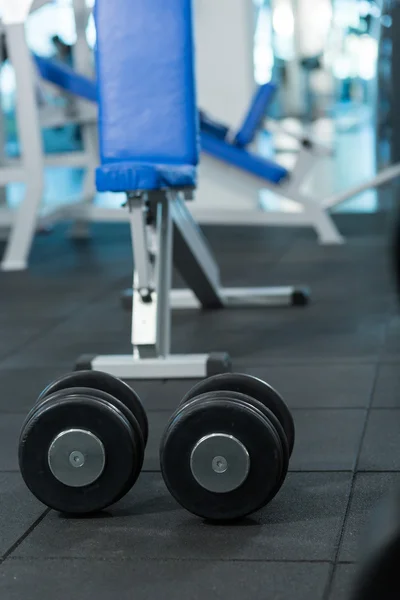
x=369, y=410
x=372, y=394
x=30, y=340
x=167, y=411
x=293, y=408
x=283, y=252
x=18, y=413
x=298, y=471
x=60, y=321
x=294, y=471
x=334, y=361
x=329, y=581
x=127, y=559
x=381, y=353
x=341, y=532
x=23, y=537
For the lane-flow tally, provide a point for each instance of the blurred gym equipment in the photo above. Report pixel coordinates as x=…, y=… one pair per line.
x=29, y=168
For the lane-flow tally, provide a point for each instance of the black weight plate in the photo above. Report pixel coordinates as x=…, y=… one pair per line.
x=279, y=430
x=106, y=383
x=66, y=410
x=136, y=431
x=232, y=417
x=251, y=386
x=267, y=414
x=106, y=397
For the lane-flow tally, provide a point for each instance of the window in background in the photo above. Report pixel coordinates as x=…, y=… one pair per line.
x=263, y=53
x=352, y=53
x=53, y=19
x=50, y=20
x=283, y=29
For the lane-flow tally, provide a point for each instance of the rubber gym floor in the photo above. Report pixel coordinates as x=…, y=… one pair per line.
x=336, y=362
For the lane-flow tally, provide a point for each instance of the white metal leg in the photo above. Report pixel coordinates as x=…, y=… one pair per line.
x=151, y=310
x=185, y=366
x=228, y=196
x=196, y=264
x=83, y=65
x=80, y=226
x=321, y=220
x=386, y=176
x=198, y=268
x=258, y=297
x=182, y=299
x=91, y=147
x=24, y=226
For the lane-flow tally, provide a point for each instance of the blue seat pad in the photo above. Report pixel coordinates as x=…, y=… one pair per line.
x=127, y=176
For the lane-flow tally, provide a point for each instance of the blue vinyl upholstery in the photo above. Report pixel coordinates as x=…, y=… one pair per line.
x=63, y=76
x=124, y=176
x=148, y=122
x=268, y=170
x=258, y=107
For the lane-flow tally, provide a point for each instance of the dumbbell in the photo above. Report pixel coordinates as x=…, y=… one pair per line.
x=225, y=451
x=82, y=445
x=378, y=576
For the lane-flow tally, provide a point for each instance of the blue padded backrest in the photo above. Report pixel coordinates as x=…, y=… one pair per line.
x=145, y=68
x=256, y=113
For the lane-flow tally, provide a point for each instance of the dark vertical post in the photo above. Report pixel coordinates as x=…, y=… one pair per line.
x=395, y=75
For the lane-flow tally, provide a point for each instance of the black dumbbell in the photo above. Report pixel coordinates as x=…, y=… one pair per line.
x=378, y=570
x=225, y=451
x=82, y=445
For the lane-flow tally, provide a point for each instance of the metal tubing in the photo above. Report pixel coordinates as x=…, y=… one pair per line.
x=164, y=277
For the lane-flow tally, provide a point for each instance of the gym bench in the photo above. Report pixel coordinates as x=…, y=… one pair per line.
x=149, y=150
